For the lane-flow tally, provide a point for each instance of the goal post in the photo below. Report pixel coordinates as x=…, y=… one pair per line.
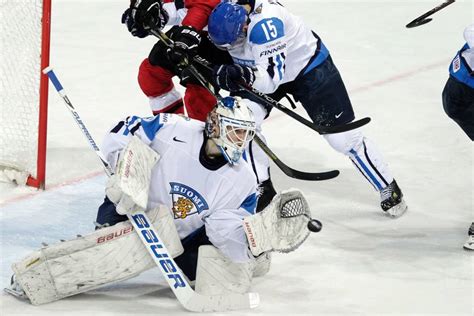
x=25, y=47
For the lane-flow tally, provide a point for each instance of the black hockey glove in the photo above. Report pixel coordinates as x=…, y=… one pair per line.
x=132, y=27
x=144, y=15
x=228, y=77
x=186, y=41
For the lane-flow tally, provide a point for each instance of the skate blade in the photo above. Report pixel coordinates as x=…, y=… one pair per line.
x=19, y=294
x=398, y=210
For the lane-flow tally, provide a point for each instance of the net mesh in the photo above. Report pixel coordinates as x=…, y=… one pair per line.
x=20, y=55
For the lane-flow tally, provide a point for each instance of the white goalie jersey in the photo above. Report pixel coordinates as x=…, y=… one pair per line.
x=198, y=190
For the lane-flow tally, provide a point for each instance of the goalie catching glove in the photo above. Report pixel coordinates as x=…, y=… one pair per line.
x=128, y=187
x=281, y=226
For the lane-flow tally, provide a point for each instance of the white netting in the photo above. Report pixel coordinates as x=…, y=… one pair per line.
x=20, y=54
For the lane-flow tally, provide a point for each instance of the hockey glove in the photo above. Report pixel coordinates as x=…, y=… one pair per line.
x=229, y=77
x=144, y=15
x=128, y=187
x=281, y=226
x=186, y=41
x=133, y=27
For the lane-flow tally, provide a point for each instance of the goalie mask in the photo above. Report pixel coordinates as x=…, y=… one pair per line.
x=231, y=124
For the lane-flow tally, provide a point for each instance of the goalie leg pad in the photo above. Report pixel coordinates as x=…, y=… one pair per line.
x=108, y=255
x=218, y=275
x=262, y=264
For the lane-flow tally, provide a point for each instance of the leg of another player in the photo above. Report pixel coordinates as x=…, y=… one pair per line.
x=325, y=98
x=458, y=103
x=156, y=83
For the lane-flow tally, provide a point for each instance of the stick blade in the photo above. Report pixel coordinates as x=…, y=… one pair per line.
x=416, y=23
x=344, y=127
x=307, y=176
x=222, y=303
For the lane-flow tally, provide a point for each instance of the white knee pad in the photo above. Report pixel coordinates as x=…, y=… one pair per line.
x=345, y=142
x=365, y=156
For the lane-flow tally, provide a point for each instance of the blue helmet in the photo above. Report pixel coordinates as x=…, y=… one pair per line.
x=226, y=23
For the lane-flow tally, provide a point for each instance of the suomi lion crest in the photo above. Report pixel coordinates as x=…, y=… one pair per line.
x=186, y=201
x=182, y=207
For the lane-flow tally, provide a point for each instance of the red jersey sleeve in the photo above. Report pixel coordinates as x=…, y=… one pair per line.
x=198, y=12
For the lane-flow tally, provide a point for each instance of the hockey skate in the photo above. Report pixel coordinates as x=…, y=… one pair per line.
x=469, y=244
x=393, y=203
x=15, y=289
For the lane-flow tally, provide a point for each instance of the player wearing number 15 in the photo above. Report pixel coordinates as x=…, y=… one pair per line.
x=276, y=53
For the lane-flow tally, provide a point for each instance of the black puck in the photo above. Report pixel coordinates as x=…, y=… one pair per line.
x=315, y=226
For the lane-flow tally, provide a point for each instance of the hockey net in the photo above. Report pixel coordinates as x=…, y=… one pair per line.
x=25, y=37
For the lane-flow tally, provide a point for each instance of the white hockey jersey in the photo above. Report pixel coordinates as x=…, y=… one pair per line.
x=199, y=191
x=278, y=44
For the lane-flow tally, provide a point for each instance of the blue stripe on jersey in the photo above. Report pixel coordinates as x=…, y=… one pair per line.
x=267, y=30
x=270, y=67
x=250, y=203
x=130, y=121
x=366, y=170
x=279, y=61
x=151, y=126
x=320, y=58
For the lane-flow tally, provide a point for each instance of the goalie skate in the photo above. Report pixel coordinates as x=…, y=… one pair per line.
x=15, y=289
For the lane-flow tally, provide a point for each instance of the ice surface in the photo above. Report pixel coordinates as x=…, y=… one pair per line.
x=361, y=262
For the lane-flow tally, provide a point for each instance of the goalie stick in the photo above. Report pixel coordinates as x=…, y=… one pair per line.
x=293, y=173
x=422, y=19
x=271, y=102
x=178, y=283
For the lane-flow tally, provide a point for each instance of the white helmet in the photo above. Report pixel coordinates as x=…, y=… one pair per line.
x=236, y=127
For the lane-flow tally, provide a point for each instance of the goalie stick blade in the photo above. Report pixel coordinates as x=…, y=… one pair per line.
x=345, y=127
x=222, y=303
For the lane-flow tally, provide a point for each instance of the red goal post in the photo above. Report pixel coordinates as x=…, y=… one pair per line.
x=26, y=32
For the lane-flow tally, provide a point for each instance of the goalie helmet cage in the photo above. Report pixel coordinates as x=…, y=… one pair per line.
x=26, y=28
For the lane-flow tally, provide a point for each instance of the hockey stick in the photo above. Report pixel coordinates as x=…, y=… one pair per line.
x=309, y=176
x=59, y=88
x=422, y=19
x=188, y=298
x=293, y=173
x=271, y=102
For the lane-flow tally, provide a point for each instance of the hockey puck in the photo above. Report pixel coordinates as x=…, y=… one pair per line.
x=315, y=226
